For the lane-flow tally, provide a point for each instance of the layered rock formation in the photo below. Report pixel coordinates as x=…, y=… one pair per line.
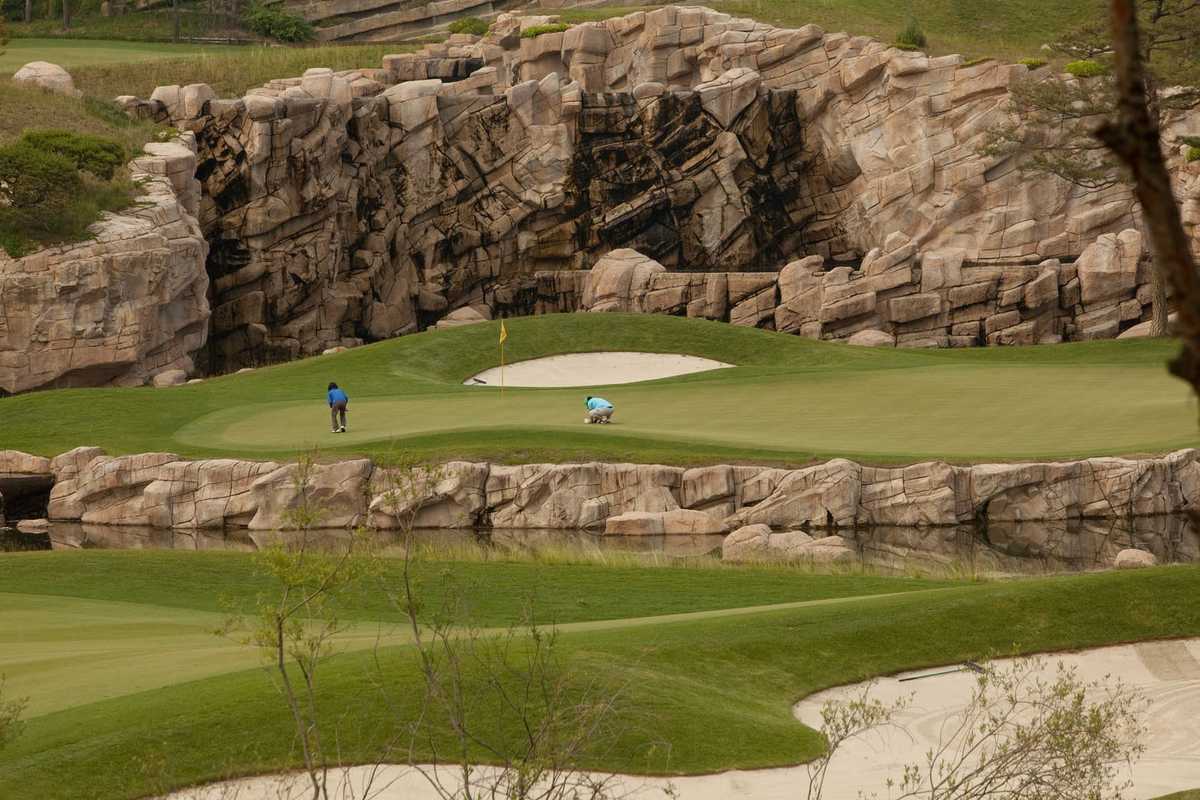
x=122, y=307
x=897, y=296
x=369, y=203
x=162, y=490
x=1002, y=547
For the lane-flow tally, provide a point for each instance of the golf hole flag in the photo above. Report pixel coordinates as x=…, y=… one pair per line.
x=503, y=337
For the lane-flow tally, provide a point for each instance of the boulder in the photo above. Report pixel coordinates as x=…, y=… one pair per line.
x=872, y=338
x=1108, y=267
x=470, y=315
x=670, y=523
x=1134, y=559
x=170, y=377
x=1144, y=329
x=620, y=281
x=33, y=525
x=747, y=543
x=829, y=550
x=45, y=75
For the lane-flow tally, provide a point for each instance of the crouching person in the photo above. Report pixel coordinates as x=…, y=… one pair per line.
x=599, y=410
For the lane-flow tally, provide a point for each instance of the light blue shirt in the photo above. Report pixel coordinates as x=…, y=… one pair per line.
x=598, y=402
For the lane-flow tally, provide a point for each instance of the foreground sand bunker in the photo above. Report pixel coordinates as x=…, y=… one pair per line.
x=1166, y=673
x=595, y=369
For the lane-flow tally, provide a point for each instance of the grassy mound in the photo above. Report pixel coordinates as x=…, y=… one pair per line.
x=146, y=738
x=789, y=400
x=974, y=28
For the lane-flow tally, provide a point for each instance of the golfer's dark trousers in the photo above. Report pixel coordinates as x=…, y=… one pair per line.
x=336, y=410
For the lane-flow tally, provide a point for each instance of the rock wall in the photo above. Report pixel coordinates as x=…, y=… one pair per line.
x=121, y=307
x=896, y=297
x=162, y=490
x=369, y=203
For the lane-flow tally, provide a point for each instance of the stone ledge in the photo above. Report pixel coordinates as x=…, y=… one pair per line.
x=161, y=490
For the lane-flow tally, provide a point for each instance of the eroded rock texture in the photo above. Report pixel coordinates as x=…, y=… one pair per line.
x=369, y=203
x=896, y=297
x=118, y=309
x=162, y=490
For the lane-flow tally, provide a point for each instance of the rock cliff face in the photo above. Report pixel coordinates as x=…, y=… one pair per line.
x=162, y=490
x=118, y=309
x=896, y=297
x=369, y=203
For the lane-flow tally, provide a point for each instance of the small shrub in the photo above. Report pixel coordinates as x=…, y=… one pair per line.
x=275, y=23
x=973, y=61
x=1193, y=154
x=912, y=36
x=93, y=154
x=31, y=178
x=44, y=197
x=537, y=30
x=1033, y=63
x=1190, y=141
x=1086, y=68
x=472, y=25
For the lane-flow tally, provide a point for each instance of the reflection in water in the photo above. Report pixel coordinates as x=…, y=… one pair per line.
x=1000, y=548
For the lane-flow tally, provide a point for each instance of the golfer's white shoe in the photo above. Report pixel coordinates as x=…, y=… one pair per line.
x=342, y=429
x=587, y=420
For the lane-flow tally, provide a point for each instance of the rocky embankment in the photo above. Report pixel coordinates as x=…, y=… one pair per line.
x=357, y=205
x=162, y=490
x=128, y=304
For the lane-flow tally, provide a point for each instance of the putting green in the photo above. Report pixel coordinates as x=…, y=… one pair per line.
x=787, y=400
x=953, y=411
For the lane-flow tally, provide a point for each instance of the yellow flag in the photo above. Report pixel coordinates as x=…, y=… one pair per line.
x=503, y=332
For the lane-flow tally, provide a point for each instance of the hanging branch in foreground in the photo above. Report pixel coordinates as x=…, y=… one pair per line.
x=1134, y=138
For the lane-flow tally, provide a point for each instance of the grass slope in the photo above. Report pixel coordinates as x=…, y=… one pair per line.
x=790, y=400
x=148, y=616
x=681, y=681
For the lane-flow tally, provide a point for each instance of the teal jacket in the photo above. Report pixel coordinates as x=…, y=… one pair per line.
x=598, y=402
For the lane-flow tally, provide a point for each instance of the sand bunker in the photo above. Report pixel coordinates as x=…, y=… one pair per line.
x=1167, y=674
x=595, y=369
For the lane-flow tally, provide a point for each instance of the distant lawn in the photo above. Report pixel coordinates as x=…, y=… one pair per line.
x=105, y=69
x=717, y=690
x=790, y=400
x=1008, y=30
x=74, y=53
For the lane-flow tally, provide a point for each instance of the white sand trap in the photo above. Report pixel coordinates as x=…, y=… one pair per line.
x=595, y=369
x=1166, y=673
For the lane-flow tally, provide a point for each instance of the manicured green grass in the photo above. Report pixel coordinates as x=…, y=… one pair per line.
x=148, y=616
x=74, y=53
x=1191, y=794
x=790, y=400
x=718, y=690
x=975, y=28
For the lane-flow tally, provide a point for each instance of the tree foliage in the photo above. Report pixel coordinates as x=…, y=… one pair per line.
x=1056, y=113
x=276, y=23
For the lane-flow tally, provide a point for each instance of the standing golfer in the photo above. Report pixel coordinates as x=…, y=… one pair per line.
x=338, y=400
x=599, y=410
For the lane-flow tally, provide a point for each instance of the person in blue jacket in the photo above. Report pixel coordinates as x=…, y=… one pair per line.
x=338, y=400
x=599, y=411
